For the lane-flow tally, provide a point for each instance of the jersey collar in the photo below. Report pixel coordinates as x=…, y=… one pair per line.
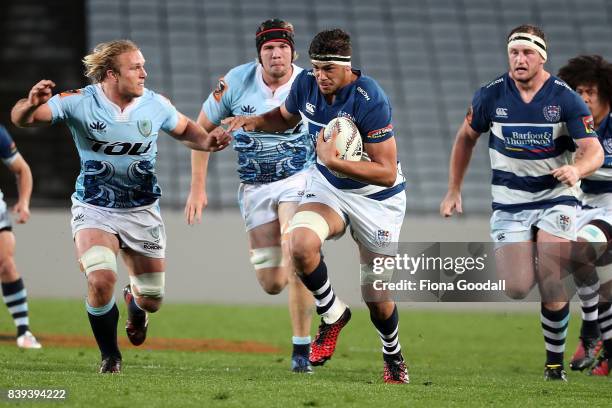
x=120, y=116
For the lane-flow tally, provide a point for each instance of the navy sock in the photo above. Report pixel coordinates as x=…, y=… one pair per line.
x=103, y=322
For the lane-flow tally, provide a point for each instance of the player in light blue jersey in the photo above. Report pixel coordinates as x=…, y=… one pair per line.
x=13, y=289
x=272, y=167
x=591, y=77
x=370, y=198
x=115, y=124
x=536, y=123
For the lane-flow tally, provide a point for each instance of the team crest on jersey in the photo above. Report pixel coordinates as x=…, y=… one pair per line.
x=607, y=144
x=220, y=89
x=589, y=124
x=564, y=222
x=382, y=238
x=145, y=127
x=552, y=113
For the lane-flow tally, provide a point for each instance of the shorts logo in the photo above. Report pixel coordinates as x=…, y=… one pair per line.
x=382, y=238
x=501, y=237
x=501, y=113
x=154, y=231
x=310, y=108
x=552, y=113
x=151, y=246
x=300, y=193
x=310, y=195
x=564, y=222
x=79, y=218
x=219, y=90
x=145, y=127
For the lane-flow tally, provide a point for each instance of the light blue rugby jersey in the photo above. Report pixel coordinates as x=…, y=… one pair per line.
x=262, y=157
x=8, y=150
x=117, y=149
x=597, y=187
x=362, y=101
x=528, y=140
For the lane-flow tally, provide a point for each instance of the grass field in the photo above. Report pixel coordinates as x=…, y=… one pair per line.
x=467, y=359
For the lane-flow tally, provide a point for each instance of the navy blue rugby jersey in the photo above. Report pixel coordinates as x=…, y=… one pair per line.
x=528, y=140
x=362, y=101
x=597, y=188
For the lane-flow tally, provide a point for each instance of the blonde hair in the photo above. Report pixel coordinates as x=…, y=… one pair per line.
x=103, y=58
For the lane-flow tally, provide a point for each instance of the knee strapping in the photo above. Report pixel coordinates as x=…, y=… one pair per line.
x=149, y=284
x=98, y=258
x=270, y=257
x=311, y=220
x=594, y=235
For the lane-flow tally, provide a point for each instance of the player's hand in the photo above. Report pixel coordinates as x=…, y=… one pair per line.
x=568, y=174
x=22, y=211
x=236, y=122
x=196, y=202
x=326, y=151
x=217, y=140
x=451, y=204
x=41, y=92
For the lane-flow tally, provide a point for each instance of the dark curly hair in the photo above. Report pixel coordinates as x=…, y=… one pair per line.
x=335, y=42
x=589, y=70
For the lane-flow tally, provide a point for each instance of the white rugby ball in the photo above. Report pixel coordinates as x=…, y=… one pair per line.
x=348, y=141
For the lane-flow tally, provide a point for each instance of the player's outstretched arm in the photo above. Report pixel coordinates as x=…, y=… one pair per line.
x=589, y=157
x=33, y=110
x=195, y=137
x=275, y=120
x=19, y=167
x=460, y=159
x=198, y=199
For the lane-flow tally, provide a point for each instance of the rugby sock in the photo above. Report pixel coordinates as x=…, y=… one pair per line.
x=328, y=305
x=554, y=327
x=605, y=325
x=589, y=298
x=388, y=330
x=15, y=298
x=103, y=322
x=301, y=345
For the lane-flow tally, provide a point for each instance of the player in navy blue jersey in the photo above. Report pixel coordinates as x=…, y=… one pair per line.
x=13, y=289
x=541, y=143
x=115, y=123
x=591, y=77
x=273, y=169
x=369, y=197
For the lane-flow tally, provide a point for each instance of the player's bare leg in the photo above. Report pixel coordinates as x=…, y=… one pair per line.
x=553, y=253
x=97, y=254
x=385, y=317
x=144, y=294
x=515, y=265
x=14, y=293
x=311, y=225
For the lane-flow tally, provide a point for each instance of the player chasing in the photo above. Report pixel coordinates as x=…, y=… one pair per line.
x=115, y=123
x=370, y=196
x=13, y=289
x=591, y=77
x=536, y=122
x=272, y=167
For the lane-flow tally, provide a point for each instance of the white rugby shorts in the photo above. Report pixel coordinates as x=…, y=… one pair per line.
x=559, y=221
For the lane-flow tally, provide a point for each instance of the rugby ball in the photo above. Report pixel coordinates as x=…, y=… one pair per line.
x=348, y=141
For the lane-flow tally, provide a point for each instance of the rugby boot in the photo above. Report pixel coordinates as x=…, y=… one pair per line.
x=137, y=323
x=554, y=372
x=395, y=370
x=586, y=353
x=323, y=346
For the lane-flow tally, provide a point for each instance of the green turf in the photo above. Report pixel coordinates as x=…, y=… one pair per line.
x=456, y=359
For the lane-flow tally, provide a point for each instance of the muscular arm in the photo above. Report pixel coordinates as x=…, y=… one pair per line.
x=19, y=167
x=460, y=159
x=33, y=110
x=381, y=170
x=275, y=120
x=195, y=137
